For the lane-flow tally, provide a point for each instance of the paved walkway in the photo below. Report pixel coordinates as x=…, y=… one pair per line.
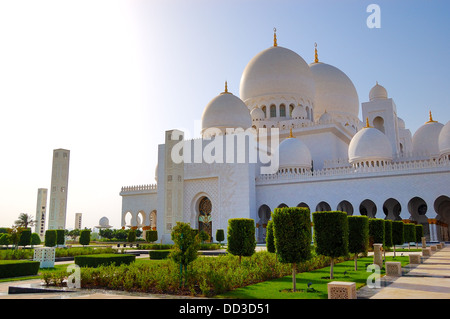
x=428, y=280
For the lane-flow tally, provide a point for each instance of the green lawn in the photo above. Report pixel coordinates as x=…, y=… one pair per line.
x=282, y=288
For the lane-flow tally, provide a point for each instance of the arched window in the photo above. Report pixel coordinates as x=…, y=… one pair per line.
x=282, y=110
x=273, y=111
x=204, y=216
x=264, y=110
x=378, y=123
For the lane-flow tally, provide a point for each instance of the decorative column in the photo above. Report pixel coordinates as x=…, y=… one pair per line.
x=377, y=255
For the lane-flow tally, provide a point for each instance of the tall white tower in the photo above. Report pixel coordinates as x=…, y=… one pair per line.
x=41, y=209
x=58, y=190
x=78, y=220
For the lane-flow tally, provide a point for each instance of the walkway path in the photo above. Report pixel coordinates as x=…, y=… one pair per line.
x=428, y=280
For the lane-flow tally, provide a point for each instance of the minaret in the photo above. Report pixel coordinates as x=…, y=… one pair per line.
x=41, y=209
x=58, y=190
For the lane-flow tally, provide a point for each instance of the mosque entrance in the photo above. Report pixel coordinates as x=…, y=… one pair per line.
x=204, y=216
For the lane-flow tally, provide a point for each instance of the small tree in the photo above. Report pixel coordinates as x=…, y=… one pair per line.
x=151, y=236
x=331, y=235
x=397, y=233
x=220, y=236
x=25, y=237
x=409, y=231
x=85, y=237
x=4, y=239
x=25, y=221
x=35, y=239
x=204, y=236
x=50, y=238
x=131, y=238
x=358, y=236
x=376, y=231
x=292, y=234
x=270, y=240
x=241, y=237
x=186, y=245
x=419, y=234
x=60, y=237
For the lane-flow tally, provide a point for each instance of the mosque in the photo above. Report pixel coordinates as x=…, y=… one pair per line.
x=294, y=137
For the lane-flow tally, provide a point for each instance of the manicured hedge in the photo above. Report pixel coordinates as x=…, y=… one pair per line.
x=376, y=231
x=397, y=233
x=159, y=254
x=16, y=268
x=419, y=233
x=331, y=233
x=358, y=234
x=270, y=240
x=104, y=260
x=241, y=237
x=409, y=231
x=50, y=238
x=60, y=237
x=292, y=233
x=25, y=237
x=151, y=236
x=388, y=242
x=220, y=235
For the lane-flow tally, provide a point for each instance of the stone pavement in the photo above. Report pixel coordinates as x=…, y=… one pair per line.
x=428, y=280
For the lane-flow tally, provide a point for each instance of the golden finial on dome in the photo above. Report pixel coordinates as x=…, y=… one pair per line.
x=290, y=133
x=316, y=55
x=431, y=119
x=367, y=123
x=275, y=37
x=226, y=89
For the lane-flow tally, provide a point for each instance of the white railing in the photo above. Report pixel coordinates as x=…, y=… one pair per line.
x=139, y=188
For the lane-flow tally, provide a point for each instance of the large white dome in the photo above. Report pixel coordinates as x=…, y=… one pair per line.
x=277, y=70
x=444, y=140
x=426, y=139
x=369, y=144
x=335, y=92
x=294, y=154
x=226, y=111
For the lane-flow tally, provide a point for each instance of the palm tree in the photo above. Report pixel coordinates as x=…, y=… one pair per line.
x=25, y=220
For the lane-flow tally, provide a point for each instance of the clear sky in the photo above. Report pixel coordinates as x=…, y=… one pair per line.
x=105, y=79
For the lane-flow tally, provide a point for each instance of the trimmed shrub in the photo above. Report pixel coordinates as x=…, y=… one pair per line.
x=50, y=238
x=35, y=239
x=60, y=237
x=241, y=237
x=85, y=237
x=397, y=233
x=376, y=231
x=419, y=233
x=220, y=235
x=104, y=260
x=159, y=254
x=131, y=238
x=358, y=236
x=151, y=236
x=409, y=231
x=292, y=234
x=25, y=237
x=270, y=240
x=388, y=233
x=204, y=236
x=331, y=235
x=16, y=268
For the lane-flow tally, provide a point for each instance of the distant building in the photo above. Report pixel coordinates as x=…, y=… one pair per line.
x=78, y=220
x=59, y=188
x=41, y=209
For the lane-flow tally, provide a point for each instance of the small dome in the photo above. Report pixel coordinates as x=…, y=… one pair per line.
x=257, y=114
x=369, y=144
x=325, y=118
x=293, y=153
x=378, y=92
x=226, y=111
x=299, y=113
x=444, y=140
x=277, y=70
x=104, y=223
x=335, y=92
x=426, y=139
